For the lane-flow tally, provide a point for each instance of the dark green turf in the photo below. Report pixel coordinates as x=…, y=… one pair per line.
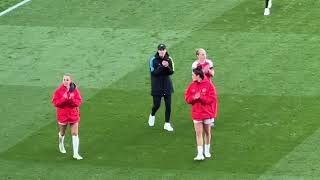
x=248, y=137
x=25, y=109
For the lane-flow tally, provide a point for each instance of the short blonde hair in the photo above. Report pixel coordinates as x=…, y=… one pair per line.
x=200, y=49
x=67, y=74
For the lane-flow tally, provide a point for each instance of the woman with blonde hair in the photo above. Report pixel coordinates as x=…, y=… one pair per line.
x=206, y=64
x=67, y=100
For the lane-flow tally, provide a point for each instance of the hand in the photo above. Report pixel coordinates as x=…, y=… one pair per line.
x=65, y=95
x=165, y=63
x=197, y=96
x=71, y=96
x=206, y=70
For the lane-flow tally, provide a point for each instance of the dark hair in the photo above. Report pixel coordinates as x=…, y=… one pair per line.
x=162, y=47
x=198, y=71
x=72, y=87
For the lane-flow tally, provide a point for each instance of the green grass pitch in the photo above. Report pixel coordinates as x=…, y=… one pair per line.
x=267, y=73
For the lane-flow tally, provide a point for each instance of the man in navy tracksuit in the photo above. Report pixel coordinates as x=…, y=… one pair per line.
x=267, y=7
x=161, y=68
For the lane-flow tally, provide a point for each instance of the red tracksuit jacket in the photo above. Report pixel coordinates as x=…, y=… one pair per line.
x=205, y=107
x=67, y=108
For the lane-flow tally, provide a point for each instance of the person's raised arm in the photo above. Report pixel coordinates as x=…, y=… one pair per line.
x=58, y=100
x=209, y=97
x=75, y=98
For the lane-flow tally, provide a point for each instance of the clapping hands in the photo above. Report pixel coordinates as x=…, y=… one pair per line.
x=65, y=95
x=197, y=95
x=165, y=63
x=206, y=69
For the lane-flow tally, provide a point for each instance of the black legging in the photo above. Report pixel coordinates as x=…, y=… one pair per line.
x=156, y=105
x=267, y=2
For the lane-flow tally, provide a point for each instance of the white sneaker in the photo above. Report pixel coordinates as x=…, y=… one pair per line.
x=270, y=4
x=62, y=149
x=266, y=11
x=77, y=157
x=167, y=126
x=199, y=157
x=151, y=120
x=207, y=154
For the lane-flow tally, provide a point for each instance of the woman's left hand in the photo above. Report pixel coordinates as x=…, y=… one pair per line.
x=71, y=95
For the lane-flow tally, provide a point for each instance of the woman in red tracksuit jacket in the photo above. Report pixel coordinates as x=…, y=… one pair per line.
x=67, y=100
x=201, y=94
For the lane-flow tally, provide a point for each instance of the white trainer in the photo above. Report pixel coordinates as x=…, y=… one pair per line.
x=270, y=4
x=77, y=157
x=207, y=154
x=151, y=120
x=199, y=157
x=62, y=149
x=167, y=126
x=266, y=12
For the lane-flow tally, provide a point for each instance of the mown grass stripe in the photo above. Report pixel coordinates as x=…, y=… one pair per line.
x=13, y=7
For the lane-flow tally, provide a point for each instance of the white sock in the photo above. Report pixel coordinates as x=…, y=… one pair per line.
x=207, y=148
x=200, y=150
x=75, y=143
x=61, y=139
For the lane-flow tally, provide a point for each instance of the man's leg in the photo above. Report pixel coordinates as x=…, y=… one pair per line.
x=167, y=101
x=155, y=107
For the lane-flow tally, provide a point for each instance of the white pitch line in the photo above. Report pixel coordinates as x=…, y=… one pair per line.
x=13, y=7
